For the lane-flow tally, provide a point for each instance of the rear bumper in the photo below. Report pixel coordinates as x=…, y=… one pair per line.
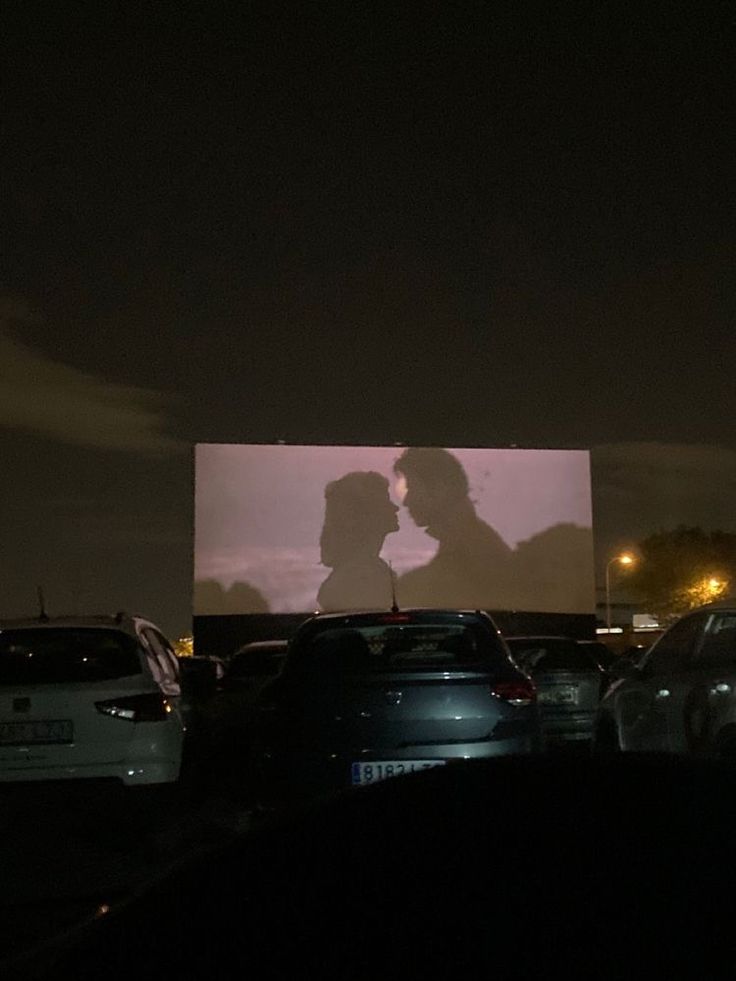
x=132, y=773
x=151, y=754
x=568, y=727
x=302, y=774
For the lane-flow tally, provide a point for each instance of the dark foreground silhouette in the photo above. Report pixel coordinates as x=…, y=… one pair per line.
x=516, y=868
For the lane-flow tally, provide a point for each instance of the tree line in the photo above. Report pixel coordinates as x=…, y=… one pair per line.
x=681, y=569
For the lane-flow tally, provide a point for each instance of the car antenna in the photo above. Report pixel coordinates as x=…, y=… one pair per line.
x=42, y=614
x=394, y=604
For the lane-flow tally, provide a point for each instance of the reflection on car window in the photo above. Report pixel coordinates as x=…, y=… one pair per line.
x=165, y=659
x=719, y=643
x=51, y=656
x=405, y=648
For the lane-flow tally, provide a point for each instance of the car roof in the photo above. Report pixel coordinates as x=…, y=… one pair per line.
x=408, y=611
x=728, y=605
x=263, y=643
x=117, y=621
x=540, y=638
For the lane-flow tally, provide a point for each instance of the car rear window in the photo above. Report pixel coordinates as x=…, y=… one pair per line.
x=540, y=656
x=398, y=648
x=51, y=656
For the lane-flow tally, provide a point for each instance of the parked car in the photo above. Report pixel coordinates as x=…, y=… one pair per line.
x=626, y=664
x=363, y=697
x=681, y=696
x=90, y=697
x=232, y=712
x=207, y=672
x=569, y=680
x=253, y=664
x=635, y=653
x=603, y=654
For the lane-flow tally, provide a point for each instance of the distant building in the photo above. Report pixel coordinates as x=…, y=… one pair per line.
x=630, y=625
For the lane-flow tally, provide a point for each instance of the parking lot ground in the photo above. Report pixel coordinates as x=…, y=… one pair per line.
x=71, y=850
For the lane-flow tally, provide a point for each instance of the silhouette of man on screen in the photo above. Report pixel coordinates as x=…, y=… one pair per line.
x=473, y=566
x=358, y=515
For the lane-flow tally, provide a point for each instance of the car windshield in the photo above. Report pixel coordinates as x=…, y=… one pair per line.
x=51, y=656
x=552, y=655
x=399, y=648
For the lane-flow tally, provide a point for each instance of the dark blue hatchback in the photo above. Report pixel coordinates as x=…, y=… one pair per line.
x=363, y=697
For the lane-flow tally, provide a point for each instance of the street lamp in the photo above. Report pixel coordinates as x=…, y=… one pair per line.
x=624, y=559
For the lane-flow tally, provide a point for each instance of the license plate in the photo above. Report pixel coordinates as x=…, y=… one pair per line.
x=558, y=695
x=34, y=733
x=377, y=770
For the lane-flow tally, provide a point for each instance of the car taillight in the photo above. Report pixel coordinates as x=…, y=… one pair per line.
x=151, y=707
x=515, y=692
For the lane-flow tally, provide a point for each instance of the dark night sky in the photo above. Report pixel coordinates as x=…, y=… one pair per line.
x=452, y=223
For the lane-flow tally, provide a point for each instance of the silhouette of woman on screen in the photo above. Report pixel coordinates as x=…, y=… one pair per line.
x=358, y=515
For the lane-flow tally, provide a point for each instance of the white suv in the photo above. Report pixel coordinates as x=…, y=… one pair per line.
x=89, y=697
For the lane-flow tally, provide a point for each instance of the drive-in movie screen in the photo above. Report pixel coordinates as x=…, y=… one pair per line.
x=290, y=529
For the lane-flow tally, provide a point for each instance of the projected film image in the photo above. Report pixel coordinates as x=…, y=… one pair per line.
x=295, y=529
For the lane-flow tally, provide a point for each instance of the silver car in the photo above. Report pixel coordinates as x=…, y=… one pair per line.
x=363, y=697
x=90, y=697
x=569, y=680
x=681, y=696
